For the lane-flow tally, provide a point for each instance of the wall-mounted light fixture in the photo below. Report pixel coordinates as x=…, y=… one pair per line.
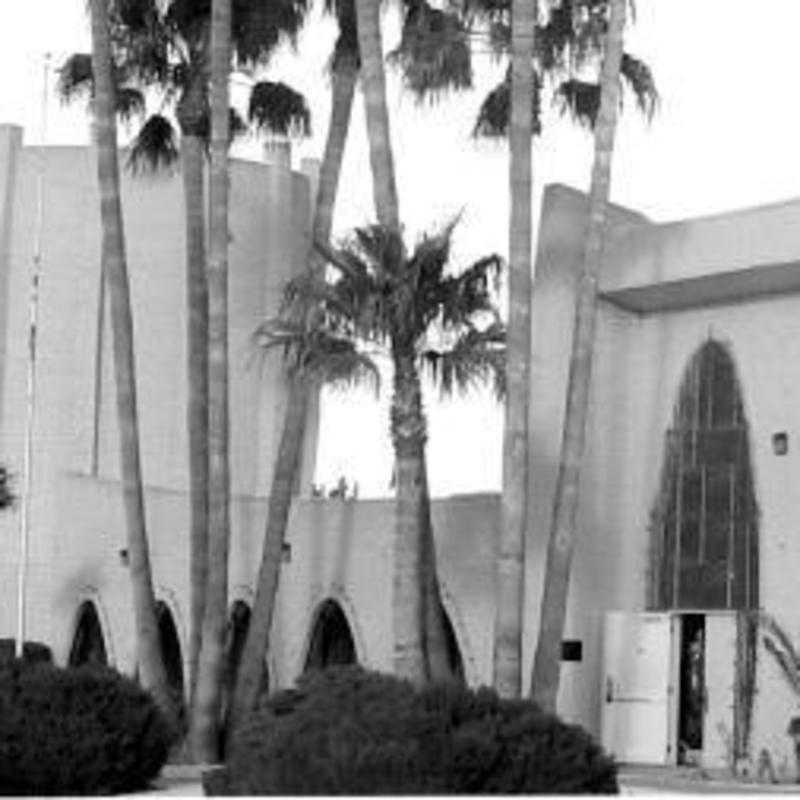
x=123, y=557
x=286, y=552
x=780, y=443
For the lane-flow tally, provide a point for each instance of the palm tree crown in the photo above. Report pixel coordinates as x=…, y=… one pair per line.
x=379, y=299
x=166, y=47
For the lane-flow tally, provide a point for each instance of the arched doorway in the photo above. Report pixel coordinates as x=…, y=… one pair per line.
x=88, y=645
x=704, y=555
x=705, y=520
x=171, y=652
x=331, y=641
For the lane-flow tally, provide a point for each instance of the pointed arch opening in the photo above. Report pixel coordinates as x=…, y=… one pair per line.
x=331, y=642
x=88, y=644
x=173, y=660
x=704, y=524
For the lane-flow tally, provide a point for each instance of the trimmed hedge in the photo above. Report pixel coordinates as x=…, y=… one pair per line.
x=84, y=730
x=32, y=652
x=349, y=731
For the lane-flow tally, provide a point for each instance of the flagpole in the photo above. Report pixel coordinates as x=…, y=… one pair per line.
x=30, y=398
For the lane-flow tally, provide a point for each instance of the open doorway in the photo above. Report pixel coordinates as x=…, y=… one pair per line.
x=692, y=691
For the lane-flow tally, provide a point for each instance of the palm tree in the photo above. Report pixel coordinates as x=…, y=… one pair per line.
x=423, y=318
x=151, y=666
x=302, y=382
x=165, y=46
x=510, y=557
x=565, y=505
x=208, y=693
x=437, y=43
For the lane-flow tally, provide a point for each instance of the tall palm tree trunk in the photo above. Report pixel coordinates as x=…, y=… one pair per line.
x=192, y=158
x=151, y=666
x=408, y=438
x=565, y=505
x=509, y=585
x=290, y=448
x=414, y=547
x=373, y=84
x=248, y=682
x=208, y=692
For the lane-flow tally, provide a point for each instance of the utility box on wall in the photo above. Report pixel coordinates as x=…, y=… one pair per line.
x=668, y=687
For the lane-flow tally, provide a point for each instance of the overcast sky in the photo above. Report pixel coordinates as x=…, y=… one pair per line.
x=726, y=136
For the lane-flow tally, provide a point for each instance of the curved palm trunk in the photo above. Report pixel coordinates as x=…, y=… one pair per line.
x=373, y=84
x=514, y=510
x=208, y=692
x=437, y=654
x=408, y=603
x=562, y=531
x=248, y=681
x=192, y=157
x=151, y=666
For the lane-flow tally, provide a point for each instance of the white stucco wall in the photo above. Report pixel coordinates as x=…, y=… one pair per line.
x=640, y=361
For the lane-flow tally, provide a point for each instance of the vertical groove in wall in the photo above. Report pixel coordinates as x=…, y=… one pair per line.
x=98, y=374
x=10, y=146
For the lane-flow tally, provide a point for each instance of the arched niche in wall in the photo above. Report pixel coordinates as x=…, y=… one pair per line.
x=171, y=652
x=88, y=644
x=704, y=523
x=331, y=642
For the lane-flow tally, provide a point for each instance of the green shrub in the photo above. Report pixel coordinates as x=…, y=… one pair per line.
x=349, y=731
x=84, y=730
x=32, y=652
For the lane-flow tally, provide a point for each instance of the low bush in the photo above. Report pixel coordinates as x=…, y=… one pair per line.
x=350, y=731
x=84, y=730
x=32, y=652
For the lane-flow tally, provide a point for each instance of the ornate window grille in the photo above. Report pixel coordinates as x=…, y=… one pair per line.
x=705, y=523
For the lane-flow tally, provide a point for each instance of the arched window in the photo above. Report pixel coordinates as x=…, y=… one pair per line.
x=704, y=524
x=171, y=652
x=88, y=646
x=331, y=639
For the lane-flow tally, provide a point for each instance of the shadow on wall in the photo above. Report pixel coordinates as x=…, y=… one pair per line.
x=173, y=661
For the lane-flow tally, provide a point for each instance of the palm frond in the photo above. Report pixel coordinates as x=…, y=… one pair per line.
x=154, y=147
x=318, y=353
x=639, y=79
x=476, y=358
x=434, y=54
x=130, y=103
x=278, y=108
x=471, y=293
x=75, y=77
x=237, y=125
x=258, y=27
x=494, y=114
x=580, y=100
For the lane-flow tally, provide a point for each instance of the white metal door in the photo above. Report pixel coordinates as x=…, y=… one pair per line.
x=720, y=673
x=637, y=707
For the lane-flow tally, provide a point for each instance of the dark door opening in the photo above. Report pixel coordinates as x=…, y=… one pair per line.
x=691, y=688
x=331, y=640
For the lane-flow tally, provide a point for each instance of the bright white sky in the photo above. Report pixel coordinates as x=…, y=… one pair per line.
x=726, y=136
